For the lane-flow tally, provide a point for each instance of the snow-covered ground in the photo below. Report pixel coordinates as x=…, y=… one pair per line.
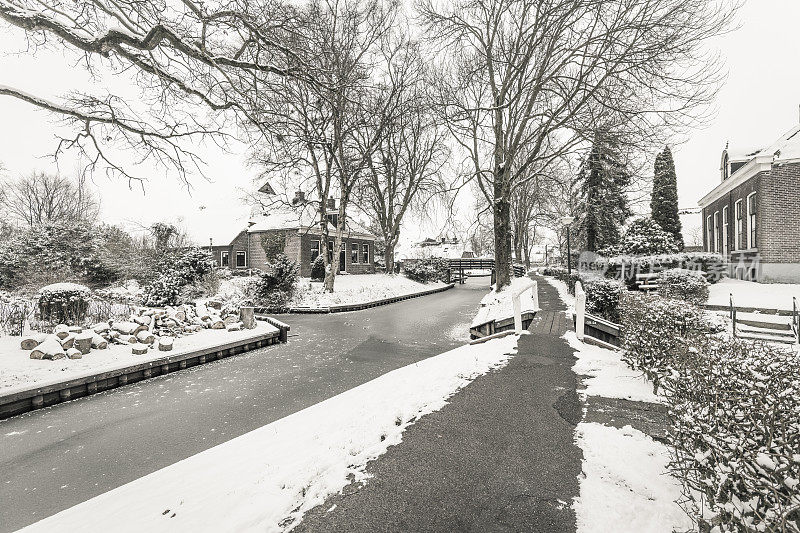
x=752, y=294
x=607, y=375
x=18, y=371
x=499, y=305
x=356, y=289
x=625, y=486
x=267, y=479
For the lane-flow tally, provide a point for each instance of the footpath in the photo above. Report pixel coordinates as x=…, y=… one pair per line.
x=501, y=456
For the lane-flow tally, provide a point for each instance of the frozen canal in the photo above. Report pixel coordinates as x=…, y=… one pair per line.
x=57, y=457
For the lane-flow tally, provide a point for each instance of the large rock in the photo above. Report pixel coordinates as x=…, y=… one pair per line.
x=74, y=353
x=165, y=344
x=83, y=342
x=247, y=317
x=50, y=348
x=139, y=349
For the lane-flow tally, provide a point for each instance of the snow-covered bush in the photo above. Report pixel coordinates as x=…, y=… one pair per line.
x=276, y=285
x=711, y=265
x=562, y=274
x=428, y=269
x=681, y=284
x=164, y=290
x=643, y=237
x=318, y=268
x=736, y=435
x=64, y=303
x=191, y=265
x=602, y=297
x=659, y=334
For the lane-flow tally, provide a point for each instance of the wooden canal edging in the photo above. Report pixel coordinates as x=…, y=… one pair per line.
x=38, y=396
x=498, y=326
x=354, y=307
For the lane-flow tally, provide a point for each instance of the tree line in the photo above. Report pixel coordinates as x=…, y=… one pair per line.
x=368, y=100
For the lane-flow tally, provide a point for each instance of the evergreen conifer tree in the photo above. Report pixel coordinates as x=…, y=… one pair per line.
x=602, y=206
x=664, y=200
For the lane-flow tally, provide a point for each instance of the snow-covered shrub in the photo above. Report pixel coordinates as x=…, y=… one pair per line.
x=428, y=269
x=735, y=410
x=643, y=237
x=602, y=297
x=191, y=265
x=276, y=285
x=659, y=334
x=318, y=268
x=64, y=303
x=681, y=284
x=162, y=291
x=711, y=265
x=562, y=274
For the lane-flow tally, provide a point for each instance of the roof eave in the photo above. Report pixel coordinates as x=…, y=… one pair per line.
x=756, y=165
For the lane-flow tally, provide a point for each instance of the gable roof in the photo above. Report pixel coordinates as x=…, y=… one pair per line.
x=304, y=221
x=785, y=149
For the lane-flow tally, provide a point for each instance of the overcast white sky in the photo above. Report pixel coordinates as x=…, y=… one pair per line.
x=759, y=102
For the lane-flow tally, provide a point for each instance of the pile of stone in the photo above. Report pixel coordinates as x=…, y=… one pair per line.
x=146, y=329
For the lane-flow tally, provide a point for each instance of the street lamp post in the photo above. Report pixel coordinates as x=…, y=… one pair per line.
x=567, y=221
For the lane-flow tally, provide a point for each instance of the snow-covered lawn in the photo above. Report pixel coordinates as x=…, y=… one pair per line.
x=752, y=294
x=356, y=289
x=267, y=479
x=18, y=371
x=499, y=305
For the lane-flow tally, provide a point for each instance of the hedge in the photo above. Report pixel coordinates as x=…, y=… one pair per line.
x=711, y=265
x=687, y=285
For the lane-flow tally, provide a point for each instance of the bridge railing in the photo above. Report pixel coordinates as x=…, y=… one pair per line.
x=458, y=267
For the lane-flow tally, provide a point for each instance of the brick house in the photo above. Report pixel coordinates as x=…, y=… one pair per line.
x=752, y=217
x=298, y=235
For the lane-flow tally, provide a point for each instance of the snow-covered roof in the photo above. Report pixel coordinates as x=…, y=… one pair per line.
x=785, y=149
x=446, y=251
x=305, y=221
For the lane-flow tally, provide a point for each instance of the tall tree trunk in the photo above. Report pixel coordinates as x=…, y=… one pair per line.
x=502, y=231
x=388, y=256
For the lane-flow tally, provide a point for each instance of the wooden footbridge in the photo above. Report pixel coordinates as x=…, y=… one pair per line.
x=459, y=269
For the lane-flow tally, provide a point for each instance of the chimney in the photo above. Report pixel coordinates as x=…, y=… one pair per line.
x=331, y=203
x=299, y=198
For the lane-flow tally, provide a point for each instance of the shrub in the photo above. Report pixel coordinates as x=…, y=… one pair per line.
x=428, y=269
x=318, y=268
x=643, y=237
x=276, y=285
x=711, y=265
x=191, y=265
x=736, y=435
x=658, y=334
x=602, y=297
x=561, y=273
x=162, y=291
x=64, y=303
x=687, y=285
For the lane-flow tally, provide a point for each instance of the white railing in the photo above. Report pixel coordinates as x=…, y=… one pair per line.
x=515, y=300
x=580, y=310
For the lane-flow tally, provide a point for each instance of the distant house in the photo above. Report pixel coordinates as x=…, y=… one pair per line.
x=445, y=247
x=752, y=217
x=298, y=235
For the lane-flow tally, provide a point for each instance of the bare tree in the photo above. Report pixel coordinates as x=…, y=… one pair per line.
x=323, y=133
x=38, y=198
x=404, y=172
x=525, y=82
x=184, y=56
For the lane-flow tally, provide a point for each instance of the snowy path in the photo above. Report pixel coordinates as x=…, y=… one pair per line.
x=57, y=457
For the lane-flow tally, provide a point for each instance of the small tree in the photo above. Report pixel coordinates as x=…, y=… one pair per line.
x=664, y=200
x=643, y=237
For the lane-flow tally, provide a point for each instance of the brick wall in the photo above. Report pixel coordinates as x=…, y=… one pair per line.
x=729, y=199
x=354, y=268
x=239, y=244
x=779, y=215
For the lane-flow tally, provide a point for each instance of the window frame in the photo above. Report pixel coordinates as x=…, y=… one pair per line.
x=725, y=231
x=716, y=232
x=709, y=234
x=319, y=249
x=738, y=214
x=752, y=222
x=225, y=258
x=241, y=253
x=365, y=253
x=354, y=253
x=330, y=251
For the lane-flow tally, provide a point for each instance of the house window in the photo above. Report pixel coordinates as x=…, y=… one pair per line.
x=354, y=253
x=716, y=232
x=225, y=259
x=751, y=220
x=725, y=231
x=365, y=253
x=709, y=235
x=737, y=245
x=314, y=250
x=241, y=259
x=333, y=219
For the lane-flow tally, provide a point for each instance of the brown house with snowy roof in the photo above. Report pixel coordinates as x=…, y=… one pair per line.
x=753, y=216
x=297, y=234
